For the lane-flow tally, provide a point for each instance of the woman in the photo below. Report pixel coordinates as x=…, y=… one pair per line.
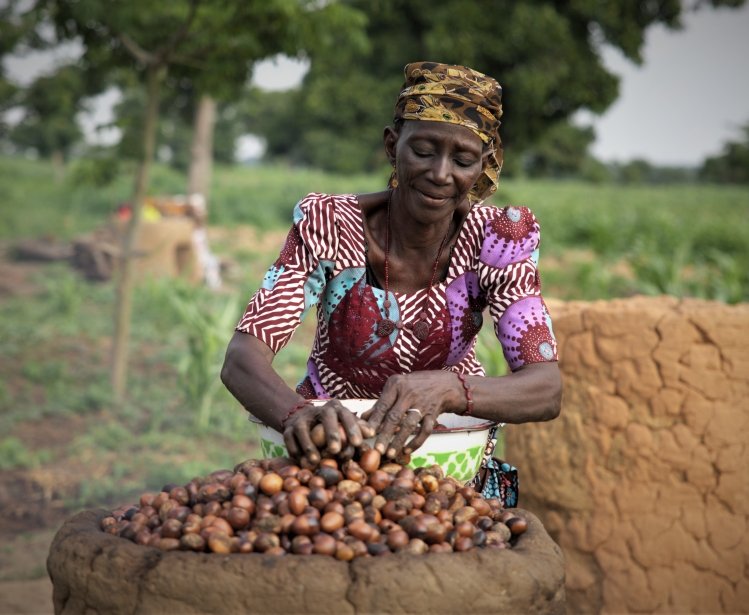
x=400, y=279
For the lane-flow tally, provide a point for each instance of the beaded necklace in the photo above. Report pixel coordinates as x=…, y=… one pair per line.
x=420, y=326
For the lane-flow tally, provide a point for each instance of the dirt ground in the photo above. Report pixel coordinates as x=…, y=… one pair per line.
x=26, y=533
x=24, y=584
x=31, y=510
x=31, y=506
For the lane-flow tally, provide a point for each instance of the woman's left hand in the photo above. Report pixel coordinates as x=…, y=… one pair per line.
x=409, y=406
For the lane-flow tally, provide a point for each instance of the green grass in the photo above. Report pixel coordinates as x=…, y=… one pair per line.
x=598, y=240
x=684, y=240
x=609, y=218
x=56, y=367
x=14, y=454
x=265, y=196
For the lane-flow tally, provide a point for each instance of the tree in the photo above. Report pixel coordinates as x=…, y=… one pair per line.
x=330, y=26
x=560, y=152
x=13, y=29
x=210, y=43
x=201, y=146
x=636, y=171
x=51, y=104
x=184, y=136
x=732, y=166
x=8, y=93
x=546, y=53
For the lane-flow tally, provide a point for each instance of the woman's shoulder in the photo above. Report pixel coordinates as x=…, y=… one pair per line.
x=507, y=234
x=321, y=205
x=519, y=215
x=326, y=221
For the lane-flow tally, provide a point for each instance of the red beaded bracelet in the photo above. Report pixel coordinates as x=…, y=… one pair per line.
x=469, y=394
x=297, y=407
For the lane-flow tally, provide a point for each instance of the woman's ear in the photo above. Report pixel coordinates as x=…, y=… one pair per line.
x=390, y=138
x=485, y=153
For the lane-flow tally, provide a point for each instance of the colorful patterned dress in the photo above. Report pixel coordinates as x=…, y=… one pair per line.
x=493, y=264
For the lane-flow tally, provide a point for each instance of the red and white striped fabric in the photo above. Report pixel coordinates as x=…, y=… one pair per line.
x=323, y=263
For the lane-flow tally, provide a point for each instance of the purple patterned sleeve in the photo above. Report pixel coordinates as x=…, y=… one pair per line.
x=508, y=272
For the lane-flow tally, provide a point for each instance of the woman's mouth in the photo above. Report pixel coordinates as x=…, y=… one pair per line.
x=434, y=199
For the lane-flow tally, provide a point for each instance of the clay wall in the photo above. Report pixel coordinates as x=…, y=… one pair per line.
x=94, y=572
x=643, y=480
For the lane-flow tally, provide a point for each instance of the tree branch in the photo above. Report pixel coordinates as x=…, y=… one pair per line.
x=165, y=51
x=144, y=57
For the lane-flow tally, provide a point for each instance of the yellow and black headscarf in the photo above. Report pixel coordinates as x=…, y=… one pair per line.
x=457, y=95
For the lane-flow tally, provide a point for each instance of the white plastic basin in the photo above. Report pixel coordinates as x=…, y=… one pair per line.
x=457, y=446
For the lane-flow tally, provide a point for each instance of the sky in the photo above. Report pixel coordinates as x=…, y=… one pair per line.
x=688, y=98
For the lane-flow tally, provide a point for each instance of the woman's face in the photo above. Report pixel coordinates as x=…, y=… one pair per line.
x=437, y=164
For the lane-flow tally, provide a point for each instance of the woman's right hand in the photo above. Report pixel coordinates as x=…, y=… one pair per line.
x=298, y=431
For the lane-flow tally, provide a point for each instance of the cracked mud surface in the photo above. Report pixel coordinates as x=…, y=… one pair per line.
x=642, y=480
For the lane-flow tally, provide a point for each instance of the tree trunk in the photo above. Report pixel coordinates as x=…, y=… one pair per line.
x=201, y=151
x=58, y=164
x=124, y=291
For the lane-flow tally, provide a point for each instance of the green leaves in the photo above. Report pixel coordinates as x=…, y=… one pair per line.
x=732, y=165
x=50, y=105
x=207, y=333
x=546, y=55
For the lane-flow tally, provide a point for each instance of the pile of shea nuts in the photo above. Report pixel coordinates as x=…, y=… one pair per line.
x=350, y=509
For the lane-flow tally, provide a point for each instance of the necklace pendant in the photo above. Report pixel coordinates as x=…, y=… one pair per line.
x=385, y=327
x=421, y=330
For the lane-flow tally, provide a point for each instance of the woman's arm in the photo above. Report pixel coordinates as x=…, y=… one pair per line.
x=249, y=375
x=531, y=393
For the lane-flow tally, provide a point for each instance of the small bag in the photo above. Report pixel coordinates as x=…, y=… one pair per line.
x=496, y=478
x=500, y=480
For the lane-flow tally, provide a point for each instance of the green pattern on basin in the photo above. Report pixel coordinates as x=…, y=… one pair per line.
x=461, y=465
x=271, y=449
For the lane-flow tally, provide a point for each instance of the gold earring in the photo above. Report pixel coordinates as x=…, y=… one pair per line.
x=393, y=180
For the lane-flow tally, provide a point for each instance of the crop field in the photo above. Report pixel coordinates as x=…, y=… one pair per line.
x=64, y=445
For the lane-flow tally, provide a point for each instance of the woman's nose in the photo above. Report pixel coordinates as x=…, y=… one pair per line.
x=440, y=170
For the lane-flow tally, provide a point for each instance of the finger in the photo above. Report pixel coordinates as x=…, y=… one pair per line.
x=351, y=426
x=409, y=425
x=347, y=452
x=290, y=442
x=329, y=420
x=375, y=415
x=367, y=431
x=302, y=434
x=367, y=413
x=389, y=426
x=427, y=426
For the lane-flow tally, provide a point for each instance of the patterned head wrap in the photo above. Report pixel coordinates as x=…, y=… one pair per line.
x=457, y=95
